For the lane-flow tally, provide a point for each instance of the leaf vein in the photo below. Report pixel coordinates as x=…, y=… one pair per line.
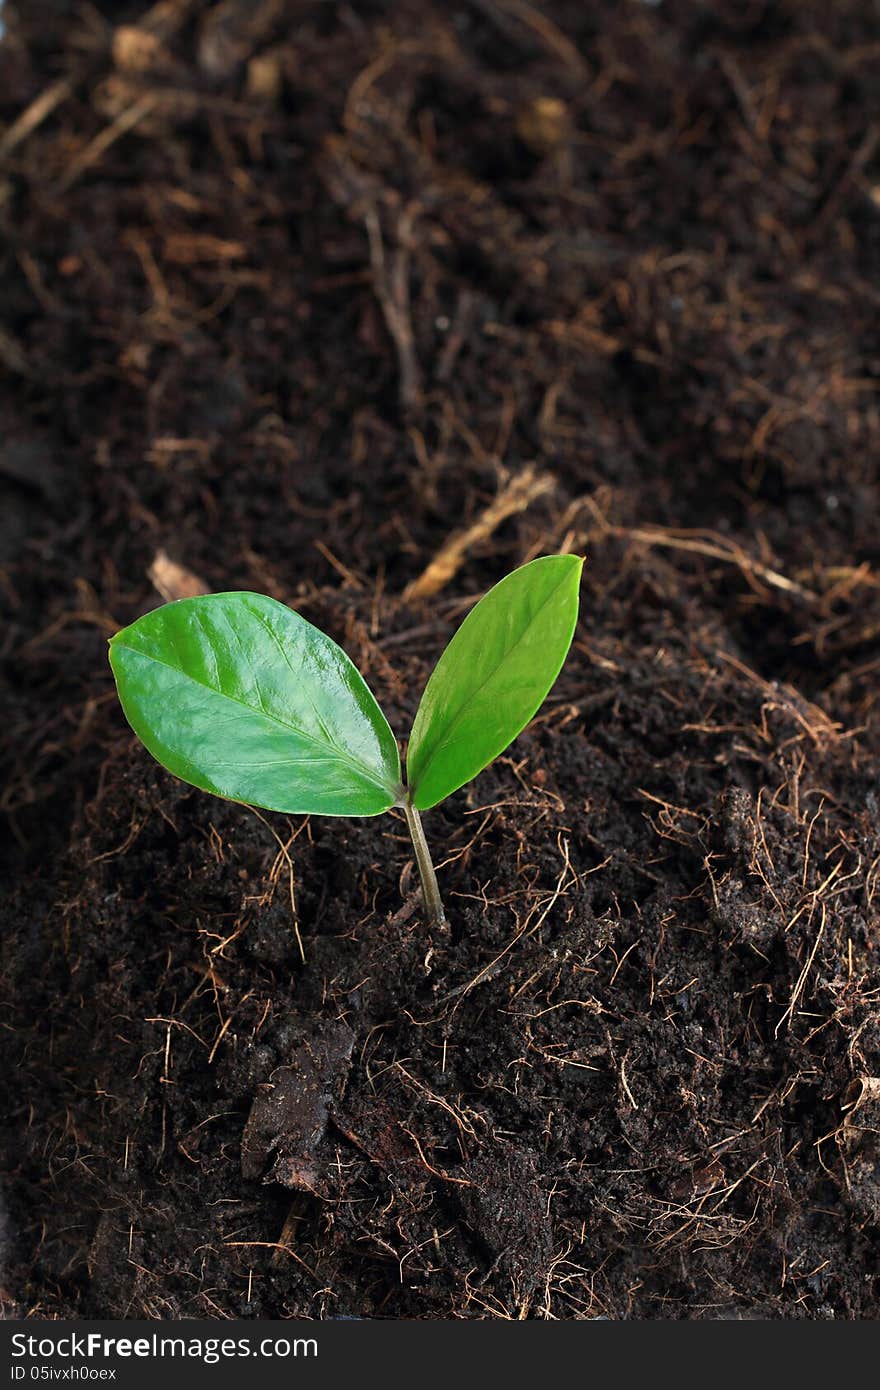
x=354, y=763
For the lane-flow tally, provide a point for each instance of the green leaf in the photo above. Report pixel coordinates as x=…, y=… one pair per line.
x=493, y=676
x=239, y=695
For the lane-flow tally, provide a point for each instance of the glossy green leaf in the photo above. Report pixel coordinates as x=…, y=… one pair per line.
x=493, y=676
x=239, y=695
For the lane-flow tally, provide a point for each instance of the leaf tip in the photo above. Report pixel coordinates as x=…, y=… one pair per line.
x=574, y=568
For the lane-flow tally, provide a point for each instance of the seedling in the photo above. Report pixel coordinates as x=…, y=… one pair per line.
x=240, y=696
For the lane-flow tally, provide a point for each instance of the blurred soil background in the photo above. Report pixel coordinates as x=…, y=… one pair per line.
x=361, y=305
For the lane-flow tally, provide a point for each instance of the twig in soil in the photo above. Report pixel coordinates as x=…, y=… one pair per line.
x=451, y=609
x=12, y=356
x=34, y=115
x=458, y=333
x=863, y=155
x=174, y=581
x=524, y=930
x=464, y=1125
x=403, y=914
x=88, y=612
x=814, y=721
x=391, y=286
x=348, y=575
x=174, y=1023
x=272, y=1245
x=124, y=122
x=515, y=496
x=695, y=1215
x=284, y=855
x=506, y=13
x=142, y=45
x=435, y=1172
x=710, y=544
x=368, y=76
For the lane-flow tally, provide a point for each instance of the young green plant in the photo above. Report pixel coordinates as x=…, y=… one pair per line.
x=238, y=695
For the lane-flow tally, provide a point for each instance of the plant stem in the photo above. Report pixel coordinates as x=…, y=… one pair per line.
x=430, y=891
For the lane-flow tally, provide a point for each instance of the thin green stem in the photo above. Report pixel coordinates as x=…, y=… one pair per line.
x=430, y=891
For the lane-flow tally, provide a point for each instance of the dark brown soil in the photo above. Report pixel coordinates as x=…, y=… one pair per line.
x=292, y=293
